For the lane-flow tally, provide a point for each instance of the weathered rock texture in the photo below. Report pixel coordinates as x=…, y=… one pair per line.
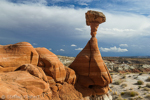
x=89, y=65
x=51, y=64
x=13, y=56
x=21, y=85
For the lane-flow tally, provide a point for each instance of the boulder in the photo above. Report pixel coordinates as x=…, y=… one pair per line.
x=51, y=65
x=94, y=18
x=13, y=56
x=21, y=85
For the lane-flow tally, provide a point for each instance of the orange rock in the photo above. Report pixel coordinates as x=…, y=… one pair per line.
x=70, y=76
x=13, y=56
x=52, y=66
x=34, y=70
x=21, y=85
x=51, y=81
x=89, y=64
x=94, y=18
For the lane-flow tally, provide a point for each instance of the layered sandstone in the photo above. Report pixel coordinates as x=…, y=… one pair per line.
x=21, y=85
x=51, y=64
x=89, y=65
x=13, y=56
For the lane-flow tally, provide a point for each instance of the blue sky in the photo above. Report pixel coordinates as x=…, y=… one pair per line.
x=59, y=25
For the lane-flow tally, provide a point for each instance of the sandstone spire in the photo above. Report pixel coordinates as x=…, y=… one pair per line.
x=89, y=65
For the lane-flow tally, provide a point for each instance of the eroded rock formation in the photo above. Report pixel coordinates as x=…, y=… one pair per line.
x=28, y=73
x=90, y=68
x=20, y=53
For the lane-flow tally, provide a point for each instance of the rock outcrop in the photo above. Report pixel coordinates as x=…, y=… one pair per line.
x=51, y=64
x=21, y=85
x=13, y=56
x=89, y=66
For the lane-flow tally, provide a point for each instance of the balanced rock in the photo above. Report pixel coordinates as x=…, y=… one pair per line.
x=94, y=18
x=13, y=56
x=51, y=65
x=89, y=65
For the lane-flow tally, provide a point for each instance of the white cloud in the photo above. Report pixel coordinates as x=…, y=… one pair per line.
x=34, y=43
x=50, y=49
x=113, y=49
x=78, y=29
x=83, y=3
x=62, y=50
x=73, y=45
x=79, y=49
x=123, y=45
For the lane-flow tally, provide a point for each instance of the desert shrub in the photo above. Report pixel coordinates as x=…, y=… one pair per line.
x=146, y=89
x=133, y=93
x=144, y=93
x=140, y=73
x=148, y=96
x=124, y=85
x=148, y=85
x=148, y=79
x=124, y=77
x=119, y=98
x=122, y=93
x=139, y=87
x=118, y=82
x=135, y=77
x=131, y=89
x=139, y=82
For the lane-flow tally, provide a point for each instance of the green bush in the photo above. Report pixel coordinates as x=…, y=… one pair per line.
x=133, y=93
x=122, y=93
x=139, y=82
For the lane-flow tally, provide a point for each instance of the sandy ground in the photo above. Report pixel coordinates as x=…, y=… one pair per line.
x=131, y=80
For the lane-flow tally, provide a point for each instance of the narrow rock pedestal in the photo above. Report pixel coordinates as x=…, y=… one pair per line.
x=92, y=72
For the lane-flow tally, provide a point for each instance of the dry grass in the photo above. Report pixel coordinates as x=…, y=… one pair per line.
x=132, y=93
x=118, y=82
x=148, y=96
x=148, y=79
x=124, y=85
x=148, y=85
